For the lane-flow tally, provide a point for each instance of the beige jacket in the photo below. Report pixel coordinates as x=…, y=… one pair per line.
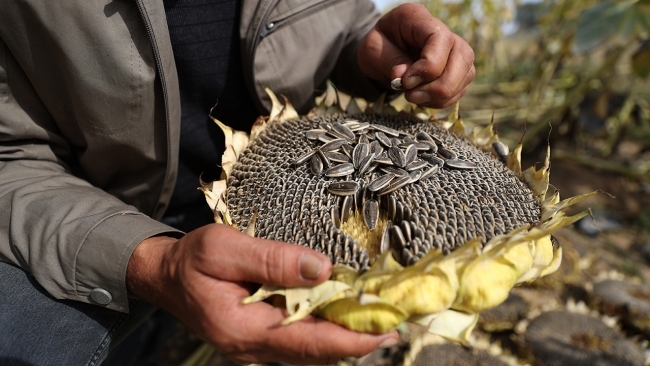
x=90, y=116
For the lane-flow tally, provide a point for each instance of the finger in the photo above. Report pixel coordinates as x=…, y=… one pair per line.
x=310, y=341
x=230, y=255
x=459, y=73
x=381, y=59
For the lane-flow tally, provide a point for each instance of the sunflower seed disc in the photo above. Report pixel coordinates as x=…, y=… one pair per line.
x=346, y=188
x=303, y=158
x=359, y=153
x=370, y=213
x=461, y=164
x=418, y=164
x=337, y=157
x=340, y=170
x=397, y=156
x=316, y=165
x=446, y=153
x=380, y=182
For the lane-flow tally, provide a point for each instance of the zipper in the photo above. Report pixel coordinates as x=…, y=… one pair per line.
x=163, y=84
x=274, y=25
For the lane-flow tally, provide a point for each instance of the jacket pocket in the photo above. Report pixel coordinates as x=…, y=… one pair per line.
x=295, y=14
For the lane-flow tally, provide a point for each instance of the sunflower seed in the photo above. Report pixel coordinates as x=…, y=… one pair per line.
x=415, y=176
x=502, y=150
x=422, y=146
x=418, y=164
x=343, y=131
x=397, y=156
x=380, y=182
x=365, y=163
x=303, y=158
x=394, y=170
x=337, y=157
x=396, y=84
x=316, y=165
x=340, y=170
x=432, y=159
x=359, y=153
x=385, y=129
x=370, y=213
x=324, y=126
x=397, y=236
x=324, y=158
x=336, y=219
x=314, y=134
x=347, y=150
x=383, y=159
x=376, y=148
x=346, y=188
x=383, y=139
x=333, y=145
x=410, y=154
x=395, y=141
x=371, y=168
x=325, y=138
x=429, y=172
x=363, y=139
x=396, y=184
x=461, y=164
x=447, y=154
x=361, y=126
x=409, y=139
x=385, y=239
x=346, y=208
x=422, y=136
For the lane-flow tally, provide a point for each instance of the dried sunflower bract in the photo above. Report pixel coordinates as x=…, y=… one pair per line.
x=424, y=221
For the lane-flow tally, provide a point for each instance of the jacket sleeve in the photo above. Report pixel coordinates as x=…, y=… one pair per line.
x=70, y=235
x=347, y=75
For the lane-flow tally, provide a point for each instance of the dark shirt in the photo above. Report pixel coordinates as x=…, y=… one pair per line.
x=205, y=40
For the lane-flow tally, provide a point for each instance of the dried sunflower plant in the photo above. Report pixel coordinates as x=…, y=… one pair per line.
x=424, y=221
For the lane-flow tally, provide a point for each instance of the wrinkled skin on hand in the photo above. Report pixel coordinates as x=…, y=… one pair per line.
x=435, y=64
x=203, y=277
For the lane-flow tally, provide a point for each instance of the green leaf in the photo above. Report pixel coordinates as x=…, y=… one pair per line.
x=641, y=60
x=606, y=21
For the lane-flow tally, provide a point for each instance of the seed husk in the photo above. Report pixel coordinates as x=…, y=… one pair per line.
x=380, y=182
x=345, y=188
x=396, y=184
x=340, y=170
x=385, y=129
x=432, y=159
x=416, y=165
x=314, y=134
x=370, y=213
x=410, y=154
x=446, y=153
x=461, y=164
x=376, y=148
x=397, y=156
x=365, y=163
x=343, y=131
x=303, y=158
x=429, y=172
x=394, y=170
x=333, y=145
x=337, y=157
x=359, y=153
x=502, y=150
x=396, y=84
x=383, y=139
x=316, y=165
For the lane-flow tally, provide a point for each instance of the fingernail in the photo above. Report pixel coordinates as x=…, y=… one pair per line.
x=387, y=343
x=310, y=266
x=420, y=97
x=412, y=82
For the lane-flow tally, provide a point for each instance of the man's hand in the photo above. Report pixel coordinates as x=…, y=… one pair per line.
x=201, y=279
x=435, y=64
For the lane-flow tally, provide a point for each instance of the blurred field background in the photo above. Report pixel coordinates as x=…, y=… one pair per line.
x=575, y=75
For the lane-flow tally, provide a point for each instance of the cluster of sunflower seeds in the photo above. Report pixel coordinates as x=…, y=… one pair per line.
x=304, y=178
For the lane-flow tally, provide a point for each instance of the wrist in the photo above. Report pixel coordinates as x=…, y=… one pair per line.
x=147, y=270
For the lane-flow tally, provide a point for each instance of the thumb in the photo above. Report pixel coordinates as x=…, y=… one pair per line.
x=381, y=59
x=244, y=258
